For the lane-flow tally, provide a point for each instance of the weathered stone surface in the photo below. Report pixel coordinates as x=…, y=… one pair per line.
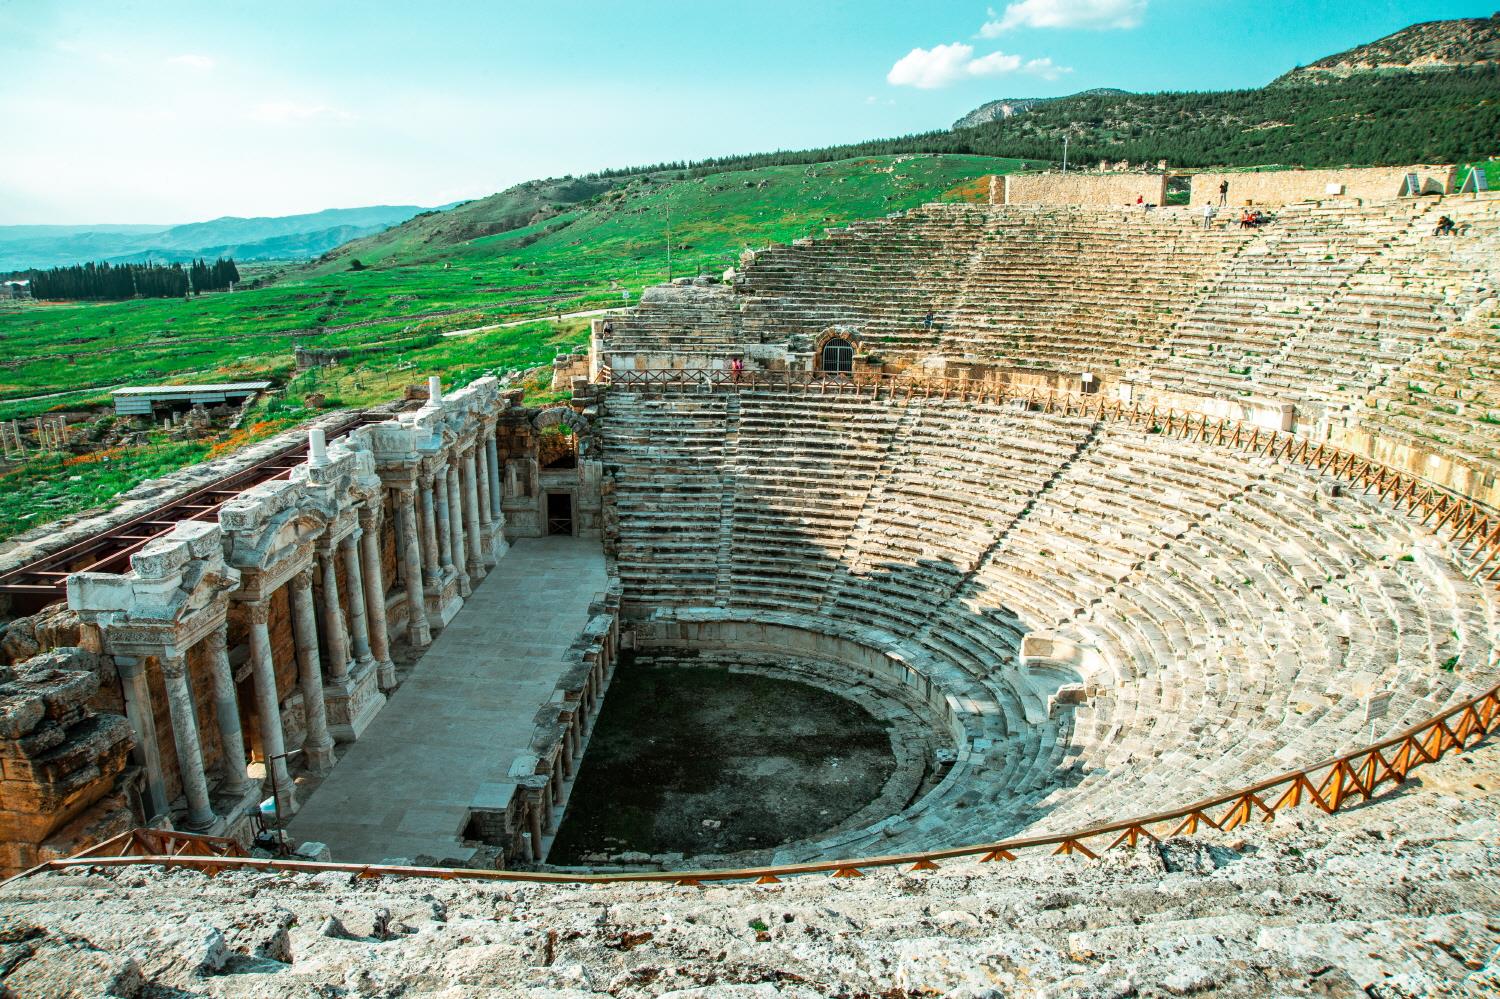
x=59, y=761
x=1392, y=900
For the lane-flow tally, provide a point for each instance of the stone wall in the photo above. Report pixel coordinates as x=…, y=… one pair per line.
x=566, y=367
x=1282, y=187
x=60, y=762
x=1082, y=189
x=1476, y=483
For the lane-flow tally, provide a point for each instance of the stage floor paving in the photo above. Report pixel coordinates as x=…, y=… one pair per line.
x=463, y=715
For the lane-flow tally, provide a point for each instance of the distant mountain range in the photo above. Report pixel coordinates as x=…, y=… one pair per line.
x=288, y=237
x=1432, y=47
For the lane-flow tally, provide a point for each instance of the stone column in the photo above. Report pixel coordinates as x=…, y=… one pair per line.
x=482, y=481
x=471, y=517
x=492, y=460
x=318, y=744
x=185, y=737
x=143, y=723
x=268, y=708
x=486, y=520
x=444, y=520
x=333, y=620
x=456, y=532
x=227, y=712
x=374, y=577
x=358, y=621
x=432, y=568
x=417, y=630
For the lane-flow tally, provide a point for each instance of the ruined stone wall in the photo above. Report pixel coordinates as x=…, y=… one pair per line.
x=1082, y=189
x=389, y=558
x=566, y=367
x=60, y=761
x=1282, y=187
x=1478, y=484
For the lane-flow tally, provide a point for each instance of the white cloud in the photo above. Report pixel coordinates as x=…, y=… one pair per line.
x=931, y=68
x=994, y=64
x=1045, y=68
x=1098, y=14
x=941, y=65
x=191, y=61
x=279, y=112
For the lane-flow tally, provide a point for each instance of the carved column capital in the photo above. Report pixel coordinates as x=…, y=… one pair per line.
x=258, y=611
x=302, y=580
x=173, y=665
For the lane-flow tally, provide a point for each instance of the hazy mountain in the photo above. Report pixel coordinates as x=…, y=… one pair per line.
x=288, y=237
x=1008, y=107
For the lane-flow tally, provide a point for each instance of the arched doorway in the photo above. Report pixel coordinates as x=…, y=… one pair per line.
x=837, y=356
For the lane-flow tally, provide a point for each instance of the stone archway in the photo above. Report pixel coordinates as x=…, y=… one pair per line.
x=561, y=433
x=835, y=350
x=576, y=422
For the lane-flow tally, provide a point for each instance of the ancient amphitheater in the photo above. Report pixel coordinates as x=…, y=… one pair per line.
x=1134, y=534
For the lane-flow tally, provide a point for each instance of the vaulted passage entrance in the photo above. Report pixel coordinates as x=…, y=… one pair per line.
x=837, y=357
x=560, y=513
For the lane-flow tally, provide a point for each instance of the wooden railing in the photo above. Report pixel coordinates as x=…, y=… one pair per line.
x=1471, y=525
x=1330, y=785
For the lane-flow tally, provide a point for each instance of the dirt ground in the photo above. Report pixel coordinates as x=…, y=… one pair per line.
x=690, y=758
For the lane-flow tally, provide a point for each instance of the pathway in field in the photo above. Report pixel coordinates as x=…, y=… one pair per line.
x=534, y=319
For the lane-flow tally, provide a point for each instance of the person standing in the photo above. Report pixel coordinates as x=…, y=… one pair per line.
x=1208, y=214
x=1223, y=193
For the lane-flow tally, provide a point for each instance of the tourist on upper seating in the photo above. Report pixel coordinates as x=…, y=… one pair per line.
x=737, y=368
x=609, y=327
x=1445, y=227
x=1223, y=192
x=927, y=320
x=1140, y=199
x=1209, y=211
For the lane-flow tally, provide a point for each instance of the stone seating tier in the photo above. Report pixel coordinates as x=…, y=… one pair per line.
x=1344, y=310
x=1228, y=617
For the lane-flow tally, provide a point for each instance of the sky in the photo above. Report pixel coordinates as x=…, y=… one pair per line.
x=129, y=111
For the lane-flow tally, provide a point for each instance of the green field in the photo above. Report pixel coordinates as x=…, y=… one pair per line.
x=416, y=285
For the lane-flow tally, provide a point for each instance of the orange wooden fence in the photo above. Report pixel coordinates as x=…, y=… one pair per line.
x=1330, y=785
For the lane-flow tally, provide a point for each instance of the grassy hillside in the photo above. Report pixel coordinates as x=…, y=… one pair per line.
x=420, y=280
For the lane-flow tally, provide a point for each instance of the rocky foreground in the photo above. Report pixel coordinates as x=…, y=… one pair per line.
x=1400, y=897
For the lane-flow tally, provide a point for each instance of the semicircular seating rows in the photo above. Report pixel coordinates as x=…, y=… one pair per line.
x=1230, y=615
x=1333, y=303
